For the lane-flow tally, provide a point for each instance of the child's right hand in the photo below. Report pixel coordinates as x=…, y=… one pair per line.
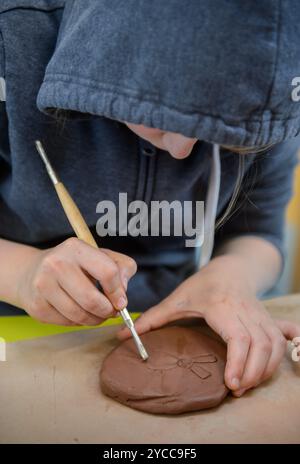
x=57, y=286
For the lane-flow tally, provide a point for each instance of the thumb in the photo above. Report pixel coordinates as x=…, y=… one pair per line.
x=153, y=318
x=289, y=329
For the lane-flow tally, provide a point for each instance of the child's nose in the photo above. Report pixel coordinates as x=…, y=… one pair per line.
x=178, y=145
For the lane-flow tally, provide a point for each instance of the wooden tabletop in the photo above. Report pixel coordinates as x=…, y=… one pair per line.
x=49, y=393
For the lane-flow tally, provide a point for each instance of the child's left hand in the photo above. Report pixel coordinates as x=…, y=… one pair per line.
x=221, y=295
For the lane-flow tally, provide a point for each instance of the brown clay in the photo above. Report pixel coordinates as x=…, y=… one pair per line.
x=184, y=372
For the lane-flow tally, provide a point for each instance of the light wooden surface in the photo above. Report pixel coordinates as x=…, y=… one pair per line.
x=49, y=393
x=293, y=216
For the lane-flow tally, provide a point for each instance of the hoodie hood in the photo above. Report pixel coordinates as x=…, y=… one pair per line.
x=216, y=70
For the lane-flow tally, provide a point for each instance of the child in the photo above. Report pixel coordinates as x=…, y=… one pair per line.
x=140, y=91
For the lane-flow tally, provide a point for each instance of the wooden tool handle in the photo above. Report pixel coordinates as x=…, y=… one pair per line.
x=74, y=215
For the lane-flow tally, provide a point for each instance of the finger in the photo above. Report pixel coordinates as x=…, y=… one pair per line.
x=238, y=342
x=258, y=356
x=153, y=318
x=127, y=265
x=66, y=306
x=279, y=344
x=290, y=330
x=102, y=268
x=47, y=314
x=239, y=393
x=79, y=287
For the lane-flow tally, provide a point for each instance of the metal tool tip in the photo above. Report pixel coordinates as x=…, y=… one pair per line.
x=43, y=155
x=143, y=353
x=40, y=149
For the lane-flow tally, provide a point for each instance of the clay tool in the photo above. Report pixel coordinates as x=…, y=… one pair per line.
x=83, y=232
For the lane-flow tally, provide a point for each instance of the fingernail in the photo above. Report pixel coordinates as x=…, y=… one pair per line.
x=239, y=393
x=122, y=303
x=235, y=383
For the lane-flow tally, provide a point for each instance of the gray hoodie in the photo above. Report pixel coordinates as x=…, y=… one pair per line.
x=216, y=70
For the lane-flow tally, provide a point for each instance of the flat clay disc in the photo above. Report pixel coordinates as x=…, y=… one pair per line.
x=184, y=372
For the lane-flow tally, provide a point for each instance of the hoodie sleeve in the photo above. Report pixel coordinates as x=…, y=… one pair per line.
x=264, y=195
x=218, y=71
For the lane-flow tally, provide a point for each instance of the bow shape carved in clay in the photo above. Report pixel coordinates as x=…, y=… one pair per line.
x=161, y=360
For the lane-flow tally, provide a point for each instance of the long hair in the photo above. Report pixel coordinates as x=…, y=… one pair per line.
x=242, y=152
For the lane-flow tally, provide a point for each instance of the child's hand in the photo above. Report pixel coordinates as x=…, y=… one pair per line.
x=58, y=285
x=218, y=293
